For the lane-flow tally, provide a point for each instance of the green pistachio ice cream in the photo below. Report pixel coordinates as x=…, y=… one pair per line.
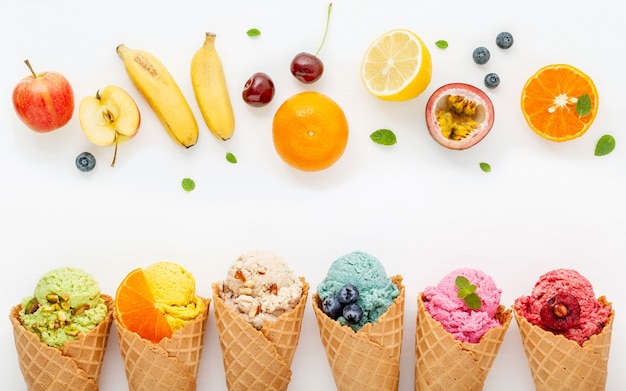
x=66, y=302
x=376, y=290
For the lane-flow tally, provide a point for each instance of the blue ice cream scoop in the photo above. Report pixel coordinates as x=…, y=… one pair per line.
x=376, y=290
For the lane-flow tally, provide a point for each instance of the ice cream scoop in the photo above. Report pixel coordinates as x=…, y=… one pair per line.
x=174, y=292
x=376, y=291
x=466, y=324
x=66, y=301
x=568, y=303
x=261, y=286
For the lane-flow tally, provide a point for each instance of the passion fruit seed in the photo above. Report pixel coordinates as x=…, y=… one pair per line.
x=457, y=121
x=561, y=312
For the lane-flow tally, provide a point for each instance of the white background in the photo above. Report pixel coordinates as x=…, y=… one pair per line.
x=421, y=209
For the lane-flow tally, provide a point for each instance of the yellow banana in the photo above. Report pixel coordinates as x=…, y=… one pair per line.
x=211, y=91
x=159, y=88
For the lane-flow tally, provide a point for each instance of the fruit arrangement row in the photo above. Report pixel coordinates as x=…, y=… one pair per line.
x=310, y=130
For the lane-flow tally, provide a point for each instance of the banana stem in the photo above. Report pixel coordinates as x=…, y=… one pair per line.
x=325, y=30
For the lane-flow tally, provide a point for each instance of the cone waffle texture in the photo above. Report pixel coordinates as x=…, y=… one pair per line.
x=258, y=360
x=559, y=364
x=75, y=367
x=447, y=364
x=368, y=359
x=170, y=365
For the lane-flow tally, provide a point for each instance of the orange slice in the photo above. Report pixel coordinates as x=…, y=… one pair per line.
x=549, y=102
x=136, y=308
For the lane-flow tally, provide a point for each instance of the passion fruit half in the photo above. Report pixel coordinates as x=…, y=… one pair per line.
x=459, y=115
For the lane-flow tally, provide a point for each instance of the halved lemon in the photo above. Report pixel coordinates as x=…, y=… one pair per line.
x=397, y=66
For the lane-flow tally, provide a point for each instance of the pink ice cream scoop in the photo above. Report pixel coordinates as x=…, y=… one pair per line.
x=590, y=314
x=466, y=324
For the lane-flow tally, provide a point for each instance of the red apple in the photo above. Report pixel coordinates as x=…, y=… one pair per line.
x=44, y=101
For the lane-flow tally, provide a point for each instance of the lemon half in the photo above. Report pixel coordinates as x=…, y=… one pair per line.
x=397, y=66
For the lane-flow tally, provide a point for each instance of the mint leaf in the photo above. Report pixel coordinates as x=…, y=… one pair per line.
x=231, y=158
x=188, y=184
x=383, y=137
x=466, y=292
x=462, y=283
x=605, y=145
x=442, y=44
x=473, y=301
x=583, y=105
x=485, y=167
x=253, y=32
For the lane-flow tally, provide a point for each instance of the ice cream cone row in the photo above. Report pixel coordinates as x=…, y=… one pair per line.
x=368, y=359
x=258, y=360
x=170, y=365
x=446, y=364
x=74, y=367
x=559, y=364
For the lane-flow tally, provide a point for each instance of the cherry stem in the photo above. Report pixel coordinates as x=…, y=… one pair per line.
x=326, y=30
x=31, y=68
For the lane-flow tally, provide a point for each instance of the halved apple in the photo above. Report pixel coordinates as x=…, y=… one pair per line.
x=109, y=118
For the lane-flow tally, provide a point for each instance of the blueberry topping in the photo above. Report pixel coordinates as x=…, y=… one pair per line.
x=492, y=80
x=332, y=307
x=352, y=313
x=481, y=55
x=348, y=294
x=85, y=161
x=504, y=40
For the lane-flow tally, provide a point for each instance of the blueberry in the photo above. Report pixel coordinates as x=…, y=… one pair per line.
x=348, y=294
x=504, y=40
x=492, y=80
x=85, y=161
x=332, y=307
x=352, y=313
x=481, y=55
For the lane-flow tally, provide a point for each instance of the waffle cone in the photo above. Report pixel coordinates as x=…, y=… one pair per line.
x=258, y=360
x=172, y=364
x=368, y=359
x=559, y=364
x=75, y=367
x=445, y=364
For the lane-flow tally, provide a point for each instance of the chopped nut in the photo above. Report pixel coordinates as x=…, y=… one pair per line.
x=245, y=291
x=65, y=305
x=31, y=306
x=65, y=297
x=273, y=289
x=61, y=316
x=239, y=275
x=80, y=309
x=249, y=284
x=255, y=309
x=261, y=271
x=52, y=298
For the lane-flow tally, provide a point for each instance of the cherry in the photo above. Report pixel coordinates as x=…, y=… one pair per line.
x=307, y=67
x=258, y=90
x=561, y=312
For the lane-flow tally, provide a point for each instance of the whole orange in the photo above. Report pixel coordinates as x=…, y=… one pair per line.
x=310, y=131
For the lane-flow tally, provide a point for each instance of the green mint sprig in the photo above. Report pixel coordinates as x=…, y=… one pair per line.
x=605, y=145
x=441, y=44
x=254, y=32
x=383, y=137
x=583, y=105
x=231, y=158
x=188, y=184
x=467, y=292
